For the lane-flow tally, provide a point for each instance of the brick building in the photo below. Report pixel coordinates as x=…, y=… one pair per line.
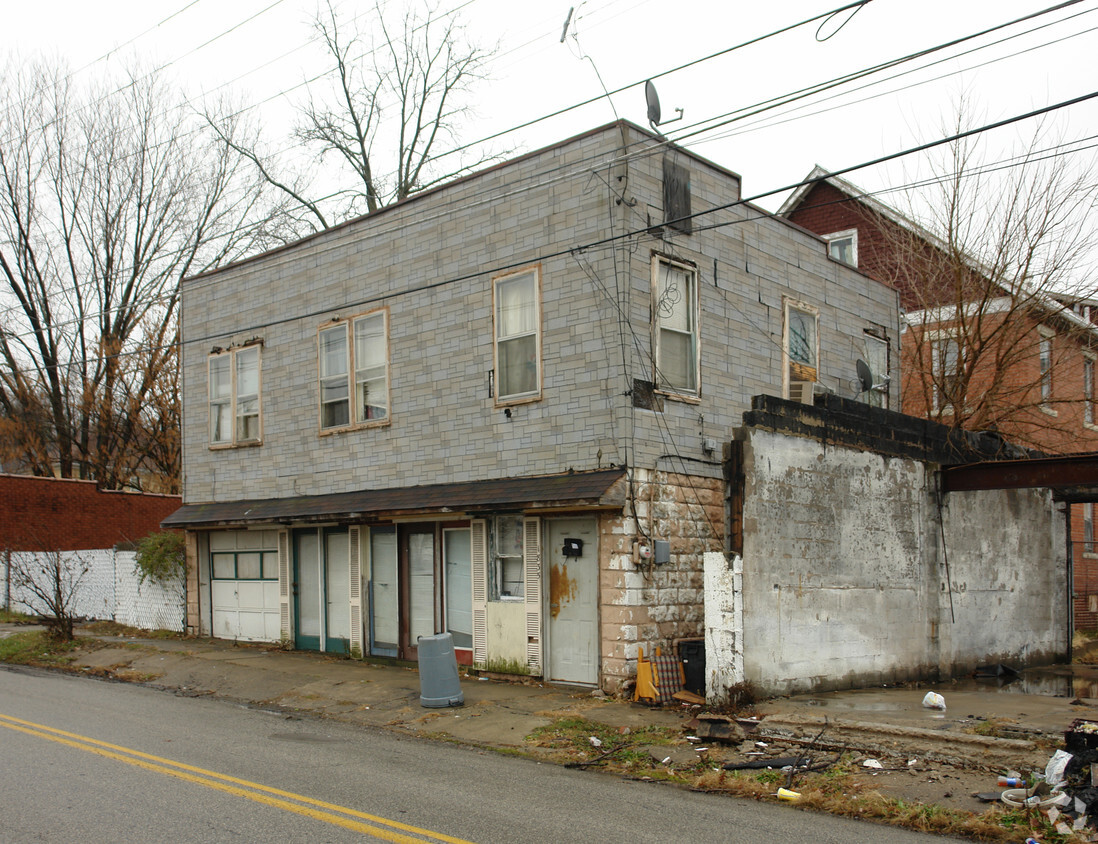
x=498, y=408
x=51, y=514
x=980, y=349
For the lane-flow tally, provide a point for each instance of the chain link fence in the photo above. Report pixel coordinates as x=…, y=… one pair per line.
x=105, y=586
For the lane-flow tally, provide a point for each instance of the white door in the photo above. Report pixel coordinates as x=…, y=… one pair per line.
x=572, y=601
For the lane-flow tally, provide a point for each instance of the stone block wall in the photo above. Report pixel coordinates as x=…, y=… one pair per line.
x=647, y=605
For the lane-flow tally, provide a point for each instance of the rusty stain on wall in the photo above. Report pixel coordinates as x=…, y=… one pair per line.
x=562, y=588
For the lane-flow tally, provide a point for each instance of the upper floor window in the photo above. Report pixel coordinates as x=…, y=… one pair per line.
x=801, y=348
x=517, y=336
x=876, y=355
x=234, y=396
x=675, y=318
x=843, y=246
x=1088, y=389
x=947, y=371
x=1045, y=364
x=354, y=371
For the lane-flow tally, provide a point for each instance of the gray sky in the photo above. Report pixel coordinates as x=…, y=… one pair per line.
x=212, y=42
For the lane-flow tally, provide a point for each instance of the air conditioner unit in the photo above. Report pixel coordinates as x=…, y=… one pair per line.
x=801, y=391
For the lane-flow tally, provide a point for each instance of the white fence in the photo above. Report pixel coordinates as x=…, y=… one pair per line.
x=110, y=589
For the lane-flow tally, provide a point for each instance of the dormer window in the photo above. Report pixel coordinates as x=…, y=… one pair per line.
x=843, y=246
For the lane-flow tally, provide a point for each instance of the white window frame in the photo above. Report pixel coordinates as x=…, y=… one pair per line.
x=790, y=305
x=348, y=383
x=1045, y=353
x=878, y=395
x=1089, y=549
x=1090, y=419
x=937, y=373
x=662, y=308
x=508, y=560
x=234, y=401
x=503, y=339
x=837, y=237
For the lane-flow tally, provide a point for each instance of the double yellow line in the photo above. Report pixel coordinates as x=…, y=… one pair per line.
x=299, y=804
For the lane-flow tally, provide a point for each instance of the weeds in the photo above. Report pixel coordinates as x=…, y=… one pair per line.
x=39, y=648
x=113, y=628
x=837, y=791
x=13, y=617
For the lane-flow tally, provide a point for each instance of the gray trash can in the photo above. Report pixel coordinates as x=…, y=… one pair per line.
x=439, y=686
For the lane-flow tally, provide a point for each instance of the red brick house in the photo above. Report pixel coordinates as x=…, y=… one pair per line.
x=980, y=348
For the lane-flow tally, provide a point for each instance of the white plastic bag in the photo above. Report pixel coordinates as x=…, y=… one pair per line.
x=1054, y=770
x=933, y=700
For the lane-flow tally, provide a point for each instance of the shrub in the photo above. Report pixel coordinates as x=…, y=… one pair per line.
x=161, y=557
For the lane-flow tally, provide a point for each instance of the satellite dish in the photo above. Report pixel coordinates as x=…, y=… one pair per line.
x=653, y=103
x=865, y=375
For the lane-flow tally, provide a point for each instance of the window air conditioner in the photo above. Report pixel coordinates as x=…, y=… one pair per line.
x=801, y=391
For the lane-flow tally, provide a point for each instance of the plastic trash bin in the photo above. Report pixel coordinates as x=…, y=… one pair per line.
x=439, y=686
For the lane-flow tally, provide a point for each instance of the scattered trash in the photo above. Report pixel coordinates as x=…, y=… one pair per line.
x=1011, y=782
x=872, y=763
x=719, y=728
x=761, y=744
x=1054, y=770
x=786, y=794
x=1024, y=797
x=933, y=700
x=760, y=764
x=911, y=763
x=666, y=760
x=595, y=741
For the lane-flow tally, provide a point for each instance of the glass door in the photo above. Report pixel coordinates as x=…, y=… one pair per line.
x=458, y=563
x=322, y=601
x=308, y=587
x=384, y=593
x=337, y=582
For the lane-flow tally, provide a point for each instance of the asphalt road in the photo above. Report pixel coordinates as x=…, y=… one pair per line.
x=90, y=761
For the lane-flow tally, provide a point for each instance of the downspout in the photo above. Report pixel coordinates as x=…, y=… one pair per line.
x=7, y=579
x=1070, y=581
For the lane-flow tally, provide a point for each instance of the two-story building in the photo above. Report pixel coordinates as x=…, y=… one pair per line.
x=498, y=408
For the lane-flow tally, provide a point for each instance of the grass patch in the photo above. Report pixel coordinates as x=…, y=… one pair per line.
x=38, y=648
x=13, y=617
x=568, y=740
x=113, y=628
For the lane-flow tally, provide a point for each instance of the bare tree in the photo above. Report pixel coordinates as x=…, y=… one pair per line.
x=392, y=104
x=108, y=198
x=48, y=583
x=997, y=286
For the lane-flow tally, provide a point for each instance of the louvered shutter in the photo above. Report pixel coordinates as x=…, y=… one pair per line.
x=531, y=557
x=355, y=593
x=479, y=554
x=284, y=585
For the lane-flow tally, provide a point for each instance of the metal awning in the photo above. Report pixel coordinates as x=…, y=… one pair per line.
x=581, y=490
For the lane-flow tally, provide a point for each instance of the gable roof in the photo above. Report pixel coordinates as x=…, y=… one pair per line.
x=820, y=175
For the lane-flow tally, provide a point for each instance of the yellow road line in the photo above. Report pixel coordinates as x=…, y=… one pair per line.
x=210, y=779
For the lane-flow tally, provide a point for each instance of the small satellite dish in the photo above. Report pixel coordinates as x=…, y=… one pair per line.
x=865, y=375
x=653, y=103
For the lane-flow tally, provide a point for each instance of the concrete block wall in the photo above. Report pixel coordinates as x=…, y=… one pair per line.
x=845, y=582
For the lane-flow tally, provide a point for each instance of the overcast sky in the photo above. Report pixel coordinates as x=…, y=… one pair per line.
x=260, y=48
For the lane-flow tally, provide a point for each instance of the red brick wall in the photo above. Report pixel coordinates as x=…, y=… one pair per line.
x=47, y=514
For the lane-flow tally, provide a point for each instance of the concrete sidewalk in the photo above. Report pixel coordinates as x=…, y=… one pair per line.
x=501, y=714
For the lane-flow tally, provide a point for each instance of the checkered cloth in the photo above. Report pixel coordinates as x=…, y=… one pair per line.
x=668, y=676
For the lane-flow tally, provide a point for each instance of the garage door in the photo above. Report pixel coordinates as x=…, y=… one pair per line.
x=244, y=585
